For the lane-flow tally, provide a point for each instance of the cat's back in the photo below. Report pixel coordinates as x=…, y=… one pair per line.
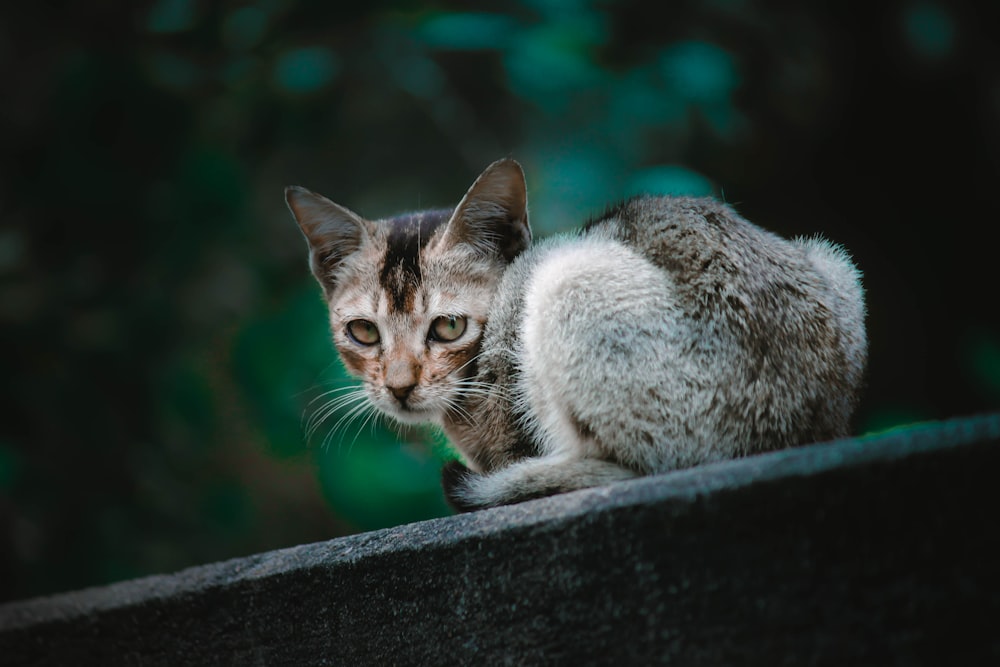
x=702, y=243
x=722, y=265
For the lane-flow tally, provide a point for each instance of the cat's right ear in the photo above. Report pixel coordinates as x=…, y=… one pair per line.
x=493, y=215
x=332, y=231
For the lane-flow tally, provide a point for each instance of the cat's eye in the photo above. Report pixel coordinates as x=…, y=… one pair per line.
x=447, y=328
x=363, y=332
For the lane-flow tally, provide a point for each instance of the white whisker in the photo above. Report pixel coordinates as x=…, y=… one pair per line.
x=452, y=404
x=335, y=390
x=345, y=421
x=462, y=367
x=372, y=413
x=322, y=412
x=353, y=398
x=327, y=409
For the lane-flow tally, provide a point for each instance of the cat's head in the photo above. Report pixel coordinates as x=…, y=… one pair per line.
x=409, y=296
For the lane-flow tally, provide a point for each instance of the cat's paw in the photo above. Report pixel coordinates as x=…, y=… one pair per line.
x=455, y=478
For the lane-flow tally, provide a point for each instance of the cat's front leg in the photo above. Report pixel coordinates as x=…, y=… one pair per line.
x=454, y=477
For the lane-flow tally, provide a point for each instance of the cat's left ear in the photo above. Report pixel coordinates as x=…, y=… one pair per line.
x=493, y=215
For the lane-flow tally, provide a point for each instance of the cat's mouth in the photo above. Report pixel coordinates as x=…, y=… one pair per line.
x=410, y=414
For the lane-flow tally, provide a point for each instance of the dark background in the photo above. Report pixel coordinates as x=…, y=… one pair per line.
x=163, y=341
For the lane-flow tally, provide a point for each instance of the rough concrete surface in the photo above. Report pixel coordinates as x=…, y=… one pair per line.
x=879, y=551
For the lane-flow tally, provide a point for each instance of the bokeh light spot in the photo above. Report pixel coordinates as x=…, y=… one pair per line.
x=670, y=180
x=700, y=72
x=930, y=30
x=546, y=62
x=171, y=16
x=982, y=361
x=888, y=418
x=471, y=32
x=306, y=70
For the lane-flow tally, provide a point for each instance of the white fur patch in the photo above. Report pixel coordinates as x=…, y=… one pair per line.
x=583, y=300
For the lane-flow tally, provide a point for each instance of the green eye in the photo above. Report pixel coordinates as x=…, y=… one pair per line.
x=447, y=328
x=362, y=332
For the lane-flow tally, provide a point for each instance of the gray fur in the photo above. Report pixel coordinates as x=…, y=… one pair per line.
x=668, y=333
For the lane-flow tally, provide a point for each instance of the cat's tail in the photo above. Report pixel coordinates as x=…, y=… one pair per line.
x=526, y=479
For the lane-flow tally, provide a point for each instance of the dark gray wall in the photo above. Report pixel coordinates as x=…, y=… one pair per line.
x=880, y=551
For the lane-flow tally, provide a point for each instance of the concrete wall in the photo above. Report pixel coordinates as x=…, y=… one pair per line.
x=882, y=551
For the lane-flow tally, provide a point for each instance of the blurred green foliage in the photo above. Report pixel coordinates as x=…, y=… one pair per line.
x=164, y=347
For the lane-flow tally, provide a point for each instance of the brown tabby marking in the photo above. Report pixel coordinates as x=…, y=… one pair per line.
x=407, y=236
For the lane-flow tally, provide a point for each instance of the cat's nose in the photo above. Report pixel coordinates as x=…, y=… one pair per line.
x=402, y=393
x=401, y=378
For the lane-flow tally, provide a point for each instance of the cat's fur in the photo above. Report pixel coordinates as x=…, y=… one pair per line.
x=669, y=332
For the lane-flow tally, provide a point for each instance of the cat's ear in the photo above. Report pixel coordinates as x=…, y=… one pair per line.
x=493, y=215
x=333, y=232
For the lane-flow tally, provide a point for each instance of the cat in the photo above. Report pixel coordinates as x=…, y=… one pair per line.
x=666, y=333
